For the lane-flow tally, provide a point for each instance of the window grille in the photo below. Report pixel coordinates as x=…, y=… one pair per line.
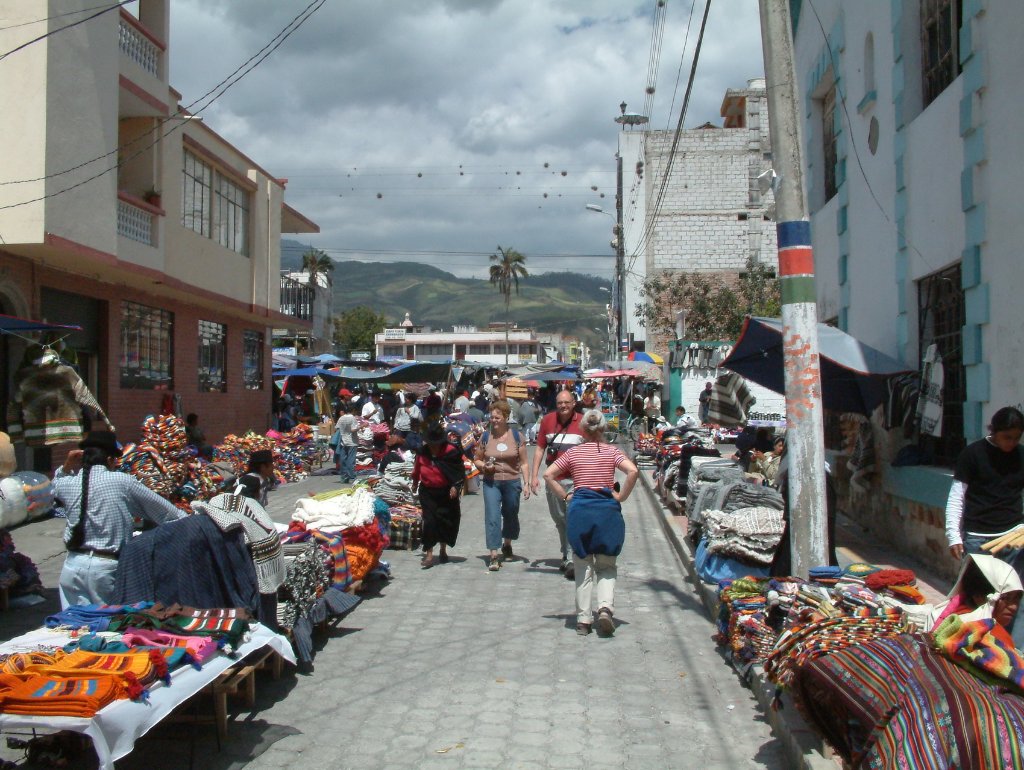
x=940, y=312
x=213, y=338
x=252, y=360
x=147, y=347
x=214, y=206
x=940, y=37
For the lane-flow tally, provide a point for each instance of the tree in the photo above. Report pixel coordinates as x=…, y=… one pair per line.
x=354, y=329
x=509, y=266
x=316, y=262
x=715, y=307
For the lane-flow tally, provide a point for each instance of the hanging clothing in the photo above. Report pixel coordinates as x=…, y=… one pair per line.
x=47, y=404
x=929, y=405
x=730, y=400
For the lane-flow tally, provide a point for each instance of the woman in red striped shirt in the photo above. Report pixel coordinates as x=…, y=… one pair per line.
x=594, y=524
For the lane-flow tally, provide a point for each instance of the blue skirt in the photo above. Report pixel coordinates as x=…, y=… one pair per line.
x=594, y=523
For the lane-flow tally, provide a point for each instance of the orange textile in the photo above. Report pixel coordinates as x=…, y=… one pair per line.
x=43, y=696
x=360, y=560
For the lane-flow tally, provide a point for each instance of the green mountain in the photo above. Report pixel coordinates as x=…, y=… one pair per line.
x=570, y=303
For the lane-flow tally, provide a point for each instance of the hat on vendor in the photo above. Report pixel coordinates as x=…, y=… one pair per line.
x=101, y=439
x=436, y=434
x=983, y=581
x=261, y=456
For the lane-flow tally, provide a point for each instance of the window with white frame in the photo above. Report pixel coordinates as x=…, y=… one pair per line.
x=252, y=359
x=940, y=50
x=214, y=205
x=213, y=349
x=479, y=350
x=433, y=350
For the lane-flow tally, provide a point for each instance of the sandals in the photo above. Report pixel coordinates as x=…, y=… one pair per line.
x=427, y=562
x=582, y=629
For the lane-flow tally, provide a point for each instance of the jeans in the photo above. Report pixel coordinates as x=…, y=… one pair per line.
x=501, y=511
x=1015, y=558
x=347, y=463
x=87, y=579
x=556, y=507
x=597, y=568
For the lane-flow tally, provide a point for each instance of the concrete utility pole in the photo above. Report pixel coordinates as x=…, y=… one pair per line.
x=805, y=446
x=620, y=258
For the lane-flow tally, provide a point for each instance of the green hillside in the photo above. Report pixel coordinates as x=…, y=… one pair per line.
x=570, y=303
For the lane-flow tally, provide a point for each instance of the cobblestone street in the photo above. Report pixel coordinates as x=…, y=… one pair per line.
x=458, y=667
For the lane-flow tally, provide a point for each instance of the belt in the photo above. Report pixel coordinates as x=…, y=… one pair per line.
x=101, y=554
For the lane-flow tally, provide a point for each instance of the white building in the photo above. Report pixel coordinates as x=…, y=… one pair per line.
x=311, y=301
x=712, y=217
x=914, y=143
x=463, y=343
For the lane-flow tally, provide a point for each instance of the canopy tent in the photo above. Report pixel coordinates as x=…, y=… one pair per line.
x=853, y=375
x=613, y=373
x=650, y=358
x=416, y=371
x=310, y=371
x=559, y=375
x=12, y=325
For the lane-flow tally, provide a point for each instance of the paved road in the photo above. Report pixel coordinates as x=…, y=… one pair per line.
x=457, y=667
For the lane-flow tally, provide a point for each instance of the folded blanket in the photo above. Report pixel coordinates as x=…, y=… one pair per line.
x=340, y=512
x=981, y=645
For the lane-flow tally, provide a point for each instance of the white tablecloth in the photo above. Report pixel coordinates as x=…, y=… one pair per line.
x=115, y=728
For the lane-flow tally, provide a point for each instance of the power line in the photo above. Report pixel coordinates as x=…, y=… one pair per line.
x=62, y=15
x=294, y=25
x=61, y=29
x=653, y=216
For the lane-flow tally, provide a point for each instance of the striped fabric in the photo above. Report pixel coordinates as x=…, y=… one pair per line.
x=895, y=702
x=42, y=696
x=591, y=465
x=730, y=400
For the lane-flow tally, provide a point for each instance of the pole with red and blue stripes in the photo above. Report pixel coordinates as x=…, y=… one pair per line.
x=805, y=444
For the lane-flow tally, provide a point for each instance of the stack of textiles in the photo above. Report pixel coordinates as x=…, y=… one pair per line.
x=894, y=701
x=797, y=647
x=364, y=546
x=235, y=450
x=395, y=488
x=349, y=508
x=296, y=453
x=306, y=578
x=74, y=674
x=705, y=479
x=749, y=535
x=899, y=584
x=365, y=465
x=406, y=527
x=743, y=619
x=163, y=461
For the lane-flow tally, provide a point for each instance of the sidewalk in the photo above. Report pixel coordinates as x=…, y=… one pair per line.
x=805, y=747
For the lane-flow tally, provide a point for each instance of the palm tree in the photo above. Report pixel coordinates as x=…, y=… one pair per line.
x=509, y=266
x=316, y=262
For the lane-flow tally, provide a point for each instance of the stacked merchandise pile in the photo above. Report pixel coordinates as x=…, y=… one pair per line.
x=704, y=473
x=163, y=461
x=365, y=464
x=94, y=655
x=675, y=459
x=295, y=453
x=395, y=490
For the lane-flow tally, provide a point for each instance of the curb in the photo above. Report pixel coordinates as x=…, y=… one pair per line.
x=804, y=747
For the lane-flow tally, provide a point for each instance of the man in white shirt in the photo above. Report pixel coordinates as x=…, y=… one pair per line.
x=652, y=409
x=462, y=402
x=372, y=410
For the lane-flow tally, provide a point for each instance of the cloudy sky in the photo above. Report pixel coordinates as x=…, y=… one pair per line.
x=435, y=130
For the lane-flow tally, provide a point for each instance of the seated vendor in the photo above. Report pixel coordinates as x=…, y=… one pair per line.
x=259, y=478
x=987, y=588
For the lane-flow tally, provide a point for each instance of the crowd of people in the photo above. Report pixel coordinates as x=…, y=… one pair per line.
x=568, y=432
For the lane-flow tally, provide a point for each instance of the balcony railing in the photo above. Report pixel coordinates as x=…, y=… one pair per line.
x=138, y=46
x=136, y=220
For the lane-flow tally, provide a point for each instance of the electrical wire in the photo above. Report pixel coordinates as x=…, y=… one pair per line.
x=291, y=28
x=45, y=35
x=108, y=7
x=652, y=217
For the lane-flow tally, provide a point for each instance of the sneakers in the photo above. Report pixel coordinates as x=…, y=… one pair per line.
x=582, y=629
x=495, y=564
x=566, y=564
x=506, y=550
x=605, y=623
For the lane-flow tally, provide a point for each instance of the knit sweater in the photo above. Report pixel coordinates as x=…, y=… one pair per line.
x=46, y=407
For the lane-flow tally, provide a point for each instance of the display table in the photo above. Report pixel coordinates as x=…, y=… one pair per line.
x=115, y=729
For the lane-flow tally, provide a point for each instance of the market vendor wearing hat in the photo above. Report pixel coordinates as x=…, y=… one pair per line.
x=99, y=504
x=438, y=476
x=259, y=478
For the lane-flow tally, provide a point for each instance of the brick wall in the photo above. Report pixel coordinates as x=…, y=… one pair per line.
x=234, y=411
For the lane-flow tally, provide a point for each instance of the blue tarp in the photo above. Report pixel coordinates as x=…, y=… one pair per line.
x=11, y=325
x=310, y=371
